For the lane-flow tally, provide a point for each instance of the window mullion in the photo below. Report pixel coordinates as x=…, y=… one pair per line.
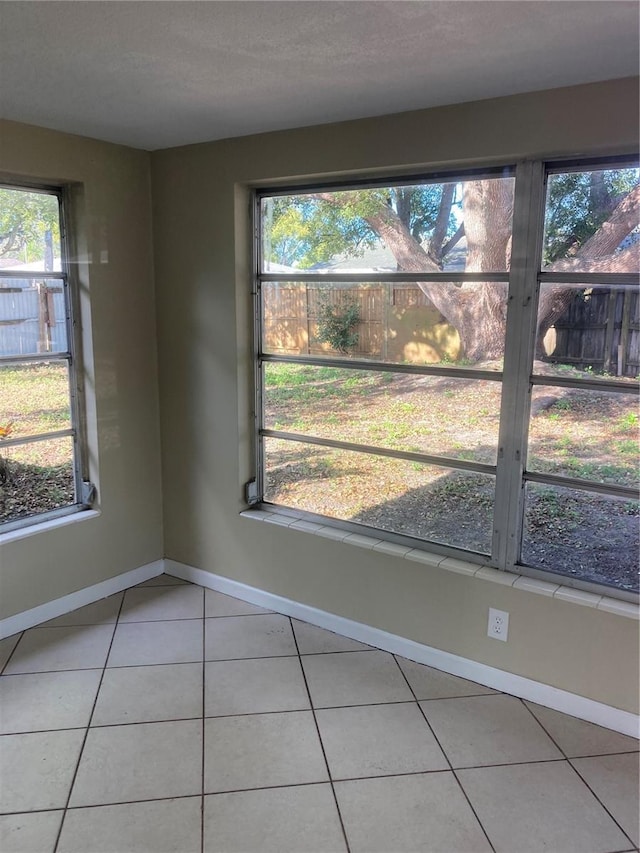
x=258, y=369
x=75, y=369
x=519, y=349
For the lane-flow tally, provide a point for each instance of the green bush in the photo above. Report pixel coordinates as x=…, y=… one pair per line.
x=337, y=323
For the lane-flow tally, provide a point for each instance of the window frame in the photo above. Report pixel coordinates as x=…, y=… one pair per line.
x=84, y=490
x=517, y=377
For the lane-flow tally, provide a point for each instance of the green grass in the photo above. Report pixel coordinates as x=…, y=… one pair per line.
x=278, y=375
x=35, y=398
x=37, y=476
x=628, y=421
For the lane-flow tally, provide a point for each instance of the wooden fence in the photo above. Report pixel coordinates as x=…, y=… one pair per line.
x=32, y=318
x=600, y=329
x=397, y=322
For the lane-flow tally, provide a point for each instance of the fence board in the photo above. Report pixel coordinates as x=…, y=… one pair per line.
x=25, y=324
x=600, y=329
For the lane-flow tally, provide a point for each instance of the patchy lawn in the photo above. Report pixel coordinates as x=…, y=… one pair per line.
x=35, y=477
x=590, y=435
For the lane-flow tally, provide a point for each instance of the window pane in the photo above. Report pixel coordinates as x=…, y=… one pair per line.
x=422, y=227
x=35, y=398
x=385, y=321
x=589, y=328
x=438, y=415
x=35, y=478
x=29, y=231
x=591, y=221
x=583, y=535
x=428, y=502
x=32, y=316
x=587, y=434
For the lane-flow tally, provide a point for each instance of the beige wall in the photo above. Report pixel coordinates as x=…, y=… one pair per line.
x=112, y=203
x=202, y=261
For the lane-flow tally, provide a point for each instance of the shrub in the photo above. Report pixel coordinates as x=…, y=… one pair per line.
x=337, y=323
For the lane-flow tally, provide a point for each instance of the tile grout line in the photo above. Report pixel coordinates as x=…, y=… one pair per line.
x=86, y=734
x=246, y=790
x=446, y=757
x=584, y=781
x=324, y=754
x=171, y=663
x=6, y=663
x=576, y=771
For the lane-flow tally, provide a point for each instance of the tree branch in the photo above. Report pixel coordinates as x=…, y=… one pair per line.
x=435, y=249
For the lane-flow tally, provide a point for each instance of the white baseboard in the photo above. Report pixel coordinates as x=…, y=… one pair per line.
x=59, y=606
x=498, y=679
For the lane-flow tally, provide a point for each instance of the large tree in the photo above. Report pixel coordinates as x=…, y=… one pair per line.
x=589, y=214
x=25, y=218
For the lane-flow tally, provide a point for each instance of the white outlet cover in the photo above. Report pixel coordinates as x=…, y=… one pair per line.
x=498, y=627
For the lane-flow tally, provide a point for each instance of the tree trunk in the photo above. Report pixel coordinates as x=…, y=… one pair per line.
x=478, y=310
x=442, y=223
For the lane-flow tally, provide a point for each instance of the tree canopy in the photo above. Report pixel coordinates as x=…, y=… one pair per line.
x=588, y=216
x=24, y=218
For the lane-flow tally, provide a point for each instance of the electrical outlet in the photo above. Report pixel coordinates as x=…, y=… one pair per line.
x=498, y=627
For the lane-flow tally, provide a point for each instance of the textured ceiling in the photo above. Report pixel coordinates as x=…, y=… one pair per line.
x=158, y=74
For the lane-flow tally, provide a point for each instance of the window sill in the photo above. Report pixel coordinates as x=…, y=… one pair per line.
x=450, y=564
x=45, y=526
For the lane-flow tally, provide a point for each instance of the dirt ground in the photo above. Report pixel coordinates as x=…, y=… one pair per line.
x=29, y=489
x=573, y=433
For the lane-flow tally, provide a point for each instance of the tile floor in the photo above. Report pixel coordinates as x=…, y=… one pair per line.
x=173, y=719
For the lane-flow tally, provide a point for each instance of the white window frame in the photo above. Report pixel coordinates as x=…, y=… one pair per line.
x=84, y=491
x=524, y=278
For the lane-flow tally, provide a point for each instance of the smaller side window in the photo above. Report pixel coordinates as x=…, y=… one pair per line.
x=40, y=455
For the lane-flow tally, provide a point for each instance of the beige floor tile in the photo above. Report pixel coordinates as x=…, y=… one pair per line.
x=378, y=740
x=55, y=649
x=103, y=612
x=408, y=814
x=144, y=761
x=232, y=637
x=142, y=694
x=7, y=645
x=31, y=832
x=579, y=738
x=484, y=730
x=140, y=643
x=546, y=806
x=47, y=700
x=614, y=780
x=218, y=604
x=313, y=640
x=162, y=602
x=167, y=826
x=261, y=751
x=254, y=686
x=429, y=683
x=42, y=767
x=354, y=678
x=276, y=820
x=161, y=580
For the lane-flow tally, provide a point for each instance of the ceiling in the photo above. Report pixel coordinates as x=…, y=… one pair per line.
x=158, y=74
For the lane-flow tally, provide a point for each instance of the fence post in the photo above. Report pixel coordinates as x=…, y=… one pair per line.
x=388, y=294
x=44, y=319
x=624, y=333
x=306, y=299
x=608, y=337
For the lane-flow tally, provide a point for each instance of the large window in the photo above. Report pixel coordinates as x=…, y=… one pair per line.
x=41, y=472
x=453, y=360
